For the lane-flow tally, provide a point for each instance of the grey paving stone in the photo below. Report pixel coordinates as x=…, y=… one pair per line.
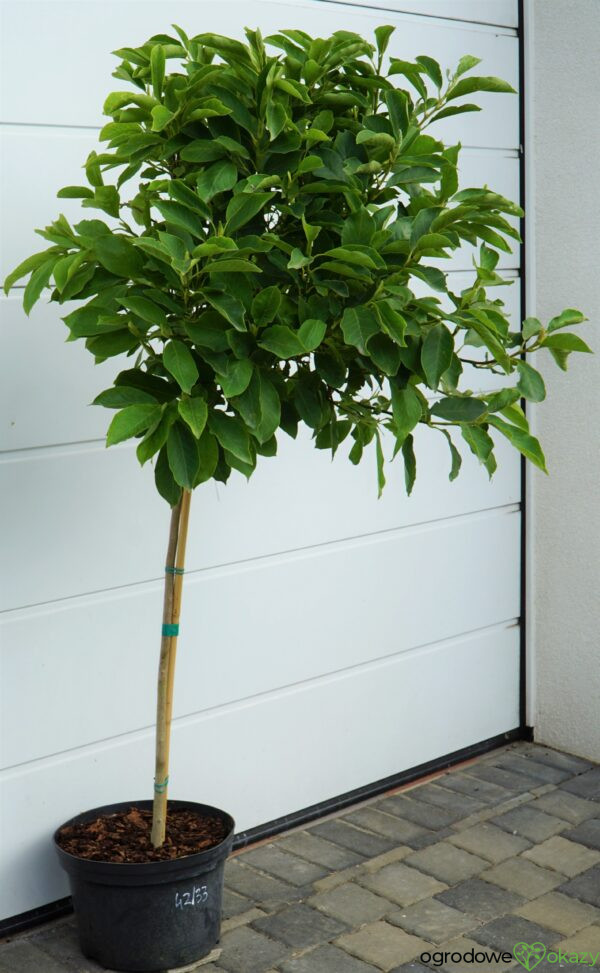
x=516, y=783
x=585, y=785
x=234, y=904
x=482, y=790
x=530, y=767
x=425, y=815
x=585, y=887
x=319, y=851
x=523, y=877
x=60, y=941
x=587, y=833
x=23, y=957
x=430, y=838
x=556, y=758
x=326, y=959
x=505, y=932
x=382, y=945
x=567, y=806
x=561, y=912
x=300, y=926
x=448, y=800
x=447, y=863
x=481, y=899
x=531, y=824
x=248, y=951
x=375, y=819
x=288, y=867
x=433, y=920
x=401, y=884
x=261, y=889
x=489, y=842
x=348, y=836
x=352, y=904
x=568, y=857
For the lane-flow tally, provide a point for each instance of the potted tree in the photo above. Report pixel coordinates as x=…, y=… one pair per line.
x=259, y=276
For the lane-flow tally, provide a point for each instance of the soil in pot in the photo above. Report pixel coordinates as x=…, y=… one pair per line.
x=124, y=837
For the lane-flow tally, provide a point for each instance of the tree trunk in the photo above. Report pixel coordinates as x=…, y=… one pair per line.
x=174, y=569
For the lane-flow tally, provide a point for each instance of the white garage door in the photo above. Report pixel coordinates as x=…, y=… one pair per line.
x=329, y=639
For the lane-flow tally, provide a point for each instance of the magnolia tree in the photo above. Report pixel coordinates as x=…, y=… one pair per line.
x=259, y=274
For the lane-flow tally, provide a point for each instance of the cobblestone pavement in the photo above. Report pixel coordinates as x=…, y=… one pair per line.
x=499, y=851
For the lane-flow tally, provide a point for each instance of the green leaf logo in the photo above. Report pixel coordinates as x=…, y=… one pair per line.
x=529, y=955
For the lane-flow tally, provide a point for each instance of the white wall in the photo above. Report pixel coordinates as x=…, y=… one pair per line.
x=328, y=639
x=563, y=187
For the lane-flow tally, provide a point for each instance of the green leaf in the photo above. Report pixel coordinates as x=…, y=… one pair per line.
x=118, y=256
x=466, y=63
x=281, y=341
x=157, y=69
x=216, y=179
x=244, y=207
x=230, y=307
x=527, y=444
x=398, y=110
x=566, y=318
x=385, y=353
x=165, y=483
x=530, y=384
x=531, y=327
x=208, y=453
x=121, y=396
x=195, y=413
x=459, y=409
x=178, y=215
x=380, y=465
x=156, y=436
x=27, y=265
x=359, y=324
x=237, y=378
x=265, y=306
x=161, y=116
x=179, y=362
x=382, y=38
x=36, y=283
x=276, y=118
x=183, y=456
x=454, y=110
x=406, y=410
x=131, y=421
x=432, y=69
x=480, y=442
x=468, y=85
x=298, y=260
x=226, y=265
x=232, y=435
x=566, y=342
x=311, y=333
x=410, y=463
x=75, y=192
x=456, y=457
x=145, y=309
x=358, y=227
x=436, y=353
x=392, y=322
x=269, y=407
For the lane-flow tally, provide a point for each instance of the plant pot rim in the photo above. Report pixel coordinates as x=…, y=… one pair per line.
x=97, y=869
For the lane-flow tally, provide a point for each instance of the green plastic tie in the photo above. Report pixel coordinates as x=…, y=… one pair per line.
x=161, y=788
x=172, y=570
x=170, y=629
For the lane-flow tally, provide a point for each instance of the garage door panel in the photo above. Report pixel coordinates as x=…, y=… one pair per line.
x=504, y=13
x=255, y=627
x=226, y=757
x=63, y=101
x=108, y=526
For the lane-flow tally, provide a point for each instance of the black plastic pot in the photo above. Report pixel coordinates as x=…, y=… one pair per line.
x=151, y=916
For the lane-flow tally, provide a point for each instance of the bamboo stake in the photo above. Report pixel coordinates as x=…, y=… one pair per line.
x=166, y=669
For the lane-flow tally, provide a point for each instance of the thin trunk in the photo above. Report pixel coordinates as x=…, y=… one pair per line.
x=174, y=569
